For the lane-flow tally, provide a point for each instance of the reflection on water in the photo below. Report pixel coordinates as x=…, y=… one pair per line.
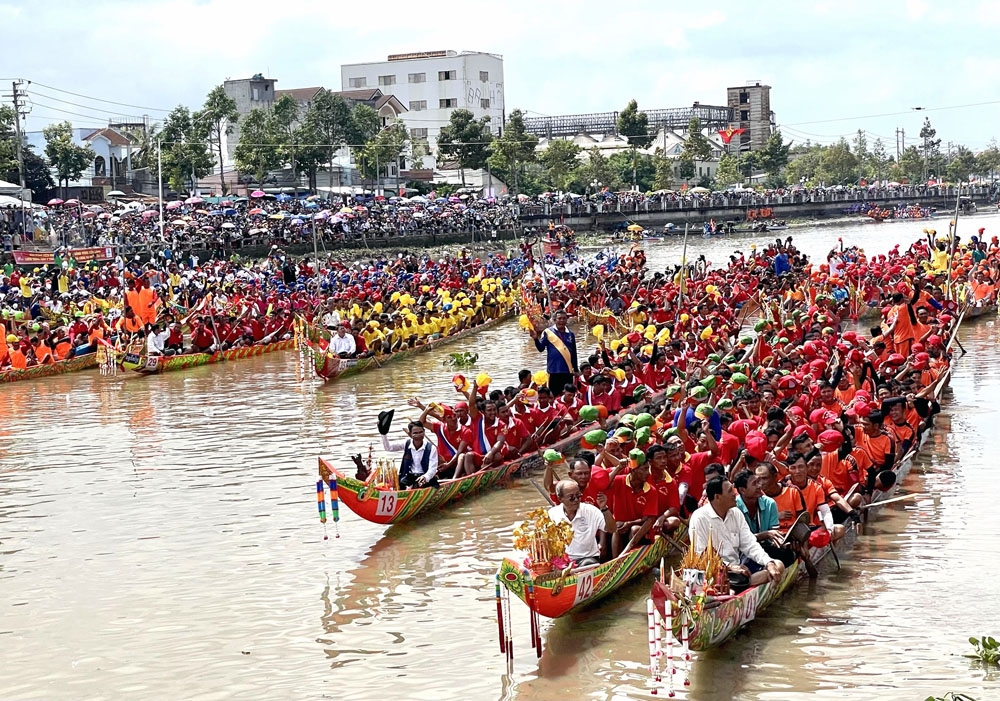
x=159, y=536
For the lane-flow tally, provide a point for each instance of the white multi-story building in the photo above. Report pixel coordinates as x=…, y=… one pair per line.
x=432, y=84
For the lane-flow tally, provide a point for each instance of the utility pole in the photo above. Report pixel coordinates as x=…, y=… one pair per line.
x=17, y=94
x=900, y=142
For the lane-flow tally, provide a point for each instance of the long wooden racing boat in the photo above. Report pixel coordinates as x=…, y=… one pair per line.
x=143, y=364
x=330, y=367
x=388, y=506
x=558, y=593
x=722, y=617
x=60, y=367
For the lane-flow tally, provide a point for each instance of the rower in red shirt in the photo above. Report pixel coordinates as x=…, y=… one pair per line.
x=636, y=506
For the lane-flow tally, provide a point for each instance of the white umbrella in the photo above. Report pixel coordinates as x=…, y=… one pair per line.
x=228, y=225
x=116, y=193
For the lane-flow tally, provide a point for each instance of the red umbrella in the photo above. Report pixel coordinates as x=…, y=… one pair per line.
x=256, y=211
x=55, y=201
x=257, y=193
x=73, y=201
x=193, y=200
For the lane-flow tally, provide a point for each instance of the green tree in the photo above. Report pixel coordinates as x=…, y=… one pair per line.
x=639, y=166
x=685, y=166
x=880, y=160
x=633, y=124
x=285, y=111
x=466, y=140
x=217, y=117
x=329, y=119
x=930, y=149
x=37, y=176
x=259, y=148
x=560, y=161
x=596, y=169
x=663, y=168
x=185, y=153
x=910, y=167
x=988, y=160
x=802, y=164
x=512, y=149
x=728, y=172
x=385, y=148
x=774, y=156
x=962, y=165
x=143, y=145
x=365, y=125
x=697, y=144
x=69, y=159
x=837, y=165
x=8, y=143
x=860, y=149
x=309, y=151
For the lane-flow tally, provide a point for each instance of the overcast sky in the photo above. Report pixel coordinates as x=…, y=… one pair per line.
x=834, y=65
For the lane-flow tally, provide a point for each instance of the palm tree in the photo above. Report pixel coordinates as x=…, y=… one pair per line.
x=143, y=146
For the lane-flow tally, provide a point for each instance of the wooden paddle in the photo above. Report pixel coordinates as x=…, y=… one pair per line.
x=905, y=497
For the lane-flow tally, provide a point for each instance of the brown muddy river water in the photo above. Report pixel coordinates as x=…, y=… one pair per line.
x=159, y=539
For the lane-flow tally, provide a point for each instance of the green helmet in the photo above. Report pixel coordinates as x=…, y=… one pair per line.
x=589, y=413
x=698, y=392
x=643, y=436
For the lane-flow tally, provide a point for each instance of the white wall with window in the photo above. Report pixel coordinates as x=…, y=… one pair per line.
x=432, y=84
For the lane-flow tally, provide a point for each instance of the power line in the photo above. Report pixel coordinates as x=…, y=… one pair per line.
x=97, y=99
x=896, y=114
x=65, y=111
x=77, y=104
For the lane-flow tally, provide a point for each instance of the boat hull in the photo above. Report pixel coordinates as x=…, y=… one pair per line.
x=718, y=624
x=155, y=365
x=556, y=595
x=61, y=367
x=387, y=506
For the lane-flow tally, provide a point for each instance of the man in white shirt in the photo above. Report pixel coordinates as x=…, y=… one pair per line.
x=731, y=536
x=419, y=465
x=588, y=522
x=156, y=340
x=342, y=343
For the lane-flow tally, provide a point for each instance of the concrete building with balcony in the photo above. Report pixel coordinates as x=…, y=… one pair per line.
x=431, y=85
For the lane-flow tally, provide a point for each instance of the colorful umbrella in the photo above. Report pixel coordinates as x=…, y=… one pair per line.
x=256, y=211
x=193, y=200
